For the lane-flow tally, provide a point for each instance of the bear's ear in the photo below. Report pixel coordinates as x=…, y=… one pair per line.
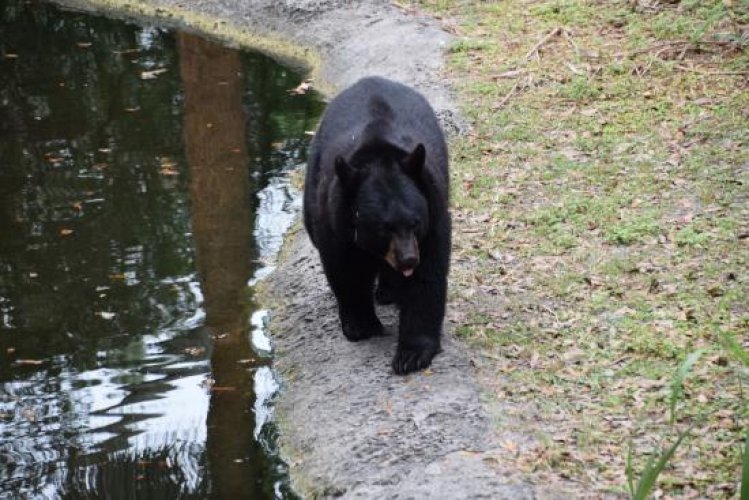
x=413, y=163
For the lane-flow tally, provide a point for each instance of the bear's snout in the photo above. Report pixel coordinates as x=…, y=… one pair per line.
x=403, y=254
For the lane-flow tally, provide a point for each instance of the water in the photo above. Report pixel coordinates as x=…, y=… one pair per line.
x=143, y=188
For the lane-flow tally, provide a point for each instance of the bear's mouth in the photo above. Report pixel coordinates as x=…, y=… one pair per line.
x=407, y=272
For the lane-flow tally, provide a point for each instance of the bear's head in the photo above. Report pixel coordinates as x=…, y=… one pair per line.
x=390, y=211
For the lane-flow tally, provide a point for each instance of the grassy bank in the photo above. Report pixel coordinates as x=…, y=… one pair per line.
x=601, y=210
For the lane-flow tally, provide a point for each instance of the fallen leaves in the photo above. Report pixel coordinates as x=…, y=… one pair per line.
x=625, y=315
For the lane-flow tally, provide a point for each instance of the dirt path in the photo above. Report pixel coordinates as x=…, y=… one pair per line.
x=349, y=426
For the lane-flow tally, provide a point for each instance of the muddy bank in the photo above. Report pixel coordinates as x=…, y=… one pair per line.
x=349, y=426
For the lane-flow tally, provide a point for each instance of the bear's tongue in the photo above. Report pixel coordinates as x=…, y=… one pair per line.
x=407, y=272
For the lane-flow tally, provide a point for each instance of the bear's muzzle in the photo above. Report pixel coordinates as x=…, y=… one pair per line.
x=403, y=253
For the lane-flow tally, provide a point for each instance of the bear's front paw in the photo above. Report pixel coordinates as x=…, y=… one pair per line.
x=415, y=356
x=360, y=330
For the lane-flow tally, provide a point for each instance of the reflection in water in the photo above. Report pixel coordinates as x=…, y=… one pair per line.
x=127, y=202
x=220, y=216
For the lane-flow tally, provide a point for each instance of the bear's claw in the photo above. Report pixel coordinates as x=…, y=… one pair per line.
x=411, y=359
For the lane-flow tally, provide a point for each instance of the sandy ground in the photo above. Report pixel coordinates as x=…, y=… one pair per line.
x=349, y=427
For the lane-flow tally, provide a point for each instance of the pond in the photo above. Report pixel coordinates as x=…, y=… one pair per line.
x=144, y=189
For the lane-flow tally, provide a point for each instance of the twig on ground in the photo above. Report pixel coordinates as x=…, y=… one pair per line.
x=658, y=47
x=685, y=46
x=507, y=97
x=713, y=73
x=555, y=32
x=568, y=36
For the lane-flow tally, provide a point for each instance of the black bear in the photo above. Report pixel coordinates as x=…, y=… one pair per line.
x=376, y=208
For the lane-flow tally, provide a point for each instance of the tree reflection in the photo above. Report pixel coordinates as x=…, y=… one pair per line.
x=108, y=242
x=214, y=131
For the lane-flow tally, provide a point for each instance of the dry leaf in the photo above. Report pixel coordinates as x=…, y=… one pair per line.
x=302, y=88
x=29, y=362
x=29, y=414
x=152, y=74
x=195, y=351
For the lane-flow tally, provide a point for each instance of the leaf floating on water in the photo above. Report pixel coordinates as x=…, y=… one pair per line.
x=66, y=231
x=195, y=351
x=133, y=110
x=29, y=362
x=29, y=414
x=152, y=74
x=168, y=172
x=84, y=45
x=222, y=388
x=126, y=51
x=52, y=158
x=11, y=56
x=166, y=162
x=167, y=166
x=106, y=315
x=302, y=88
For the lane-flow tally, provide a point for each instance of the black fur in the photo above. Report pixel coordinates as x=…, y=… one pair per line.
x=376, y=207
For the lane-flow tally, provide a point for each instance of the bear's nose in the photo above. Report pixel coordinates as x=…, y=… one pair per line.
x=403, y=254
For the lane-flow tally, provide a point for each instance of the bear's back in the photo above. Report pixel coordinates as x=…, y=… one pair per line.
x=407, y=116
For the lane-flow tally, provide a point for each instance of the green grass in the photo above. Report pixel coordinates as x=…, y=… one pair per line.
x=613, y=184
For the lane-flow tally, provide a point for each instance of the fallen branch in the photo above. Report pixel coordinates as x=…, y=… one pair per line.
x=555, y=32
x=713, y=73
x=506, y=97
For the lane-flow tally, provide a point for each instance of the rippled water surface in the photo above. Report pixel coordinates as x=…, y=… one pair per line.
x=143, y=189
